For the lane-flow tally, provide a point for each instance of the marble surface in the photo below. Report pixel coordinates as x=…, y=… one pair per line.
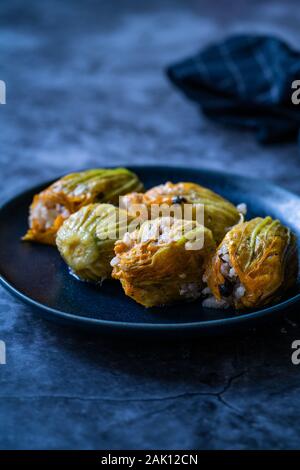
x=85, y=87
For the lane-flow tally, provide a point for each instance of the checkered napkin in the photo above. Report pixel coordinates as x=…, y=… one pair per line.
x=245, y=81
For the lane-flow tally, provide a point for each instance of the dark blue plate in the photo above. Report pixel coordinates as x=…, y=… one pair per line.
x=37, y=274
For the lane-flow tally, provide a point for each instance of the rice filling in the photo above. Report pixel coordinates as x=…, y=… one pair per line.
x=191, y=290
x=46, y=215
x=232, y=288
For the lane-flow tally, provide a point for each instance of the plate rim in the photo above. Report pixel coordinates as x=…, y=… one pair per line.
x=117, y=325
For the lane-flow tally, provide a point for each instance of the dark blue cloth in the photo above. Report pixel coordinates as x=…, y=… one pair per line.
x=245, y=81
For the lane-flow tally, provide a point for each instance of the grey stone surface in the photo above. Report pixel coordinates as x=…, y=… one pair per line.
x=85, y=87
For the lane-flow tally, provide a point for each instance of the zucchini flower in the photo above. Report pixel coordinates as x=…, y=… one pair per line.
x=254, y=265
x=53, y=205
x=86, y=240
x=163, y=261
x=219, y=214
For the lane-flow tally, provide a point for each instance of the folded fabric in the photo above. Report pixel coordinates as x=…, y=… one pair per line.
x=245, y=81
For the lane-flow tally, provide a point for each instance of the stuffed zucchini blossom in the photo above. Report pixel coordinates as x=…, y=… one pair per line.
x=54, y=204
x=86, y=240
x=254, y=265
x=163, y=261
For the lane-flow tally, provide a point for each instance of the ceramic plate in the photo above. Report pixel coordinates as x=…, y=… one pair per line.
x=37, y=274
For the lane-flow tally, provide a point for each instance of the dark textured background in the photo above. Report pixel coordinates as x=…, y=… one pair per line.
x=85, y=87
